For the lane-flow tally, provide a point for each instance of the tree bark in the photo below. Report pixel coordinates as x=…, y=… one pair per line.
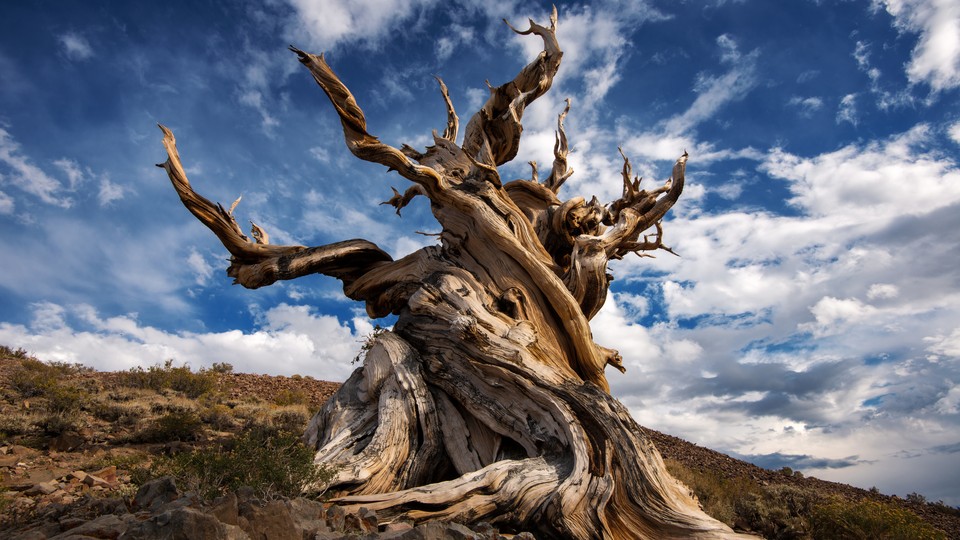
x=488, y=399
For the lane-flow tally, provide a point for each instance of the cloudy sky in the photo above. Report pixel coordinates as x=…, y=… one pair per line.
x=812, y=319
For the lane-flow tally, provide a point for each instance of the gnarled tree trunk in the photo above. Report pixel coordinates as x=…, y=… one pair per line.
x=488, y=399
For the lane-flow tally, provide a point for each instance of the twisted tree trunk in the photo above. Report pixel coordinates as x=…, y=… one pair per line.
x=488, y=399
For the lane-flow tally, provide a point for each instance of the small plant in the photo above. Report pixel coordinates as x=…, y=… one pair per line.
x=19, y=352
x=13, y=425
x=840, y=519
x=367, y=343
x=916, y=498
x=218, y=417
x=173, y=426
x=290, y=419
x=719, y=496
x=221, y=368
x=291, y=397
x=271, y=461
x=181, y=379
x=57, y=423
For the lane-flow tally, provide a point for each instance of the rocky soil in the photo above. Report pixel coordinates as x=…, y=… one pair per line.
x=81, y=482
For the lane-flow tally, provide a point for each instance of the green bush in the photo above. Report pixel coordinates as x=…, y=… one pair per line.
x=36, y=378
x=19, y=352
x=181, y=425
x=866, y=519
x=778, y=512
x=162, y=377
x=718, y=495
x=288, y=397
x=271, y=461
x=56, y=423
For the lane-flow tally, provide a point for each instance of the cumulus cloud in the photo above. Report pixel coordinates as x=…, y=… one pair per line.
x=936, y=58
x=288, y=340
x=882, y=179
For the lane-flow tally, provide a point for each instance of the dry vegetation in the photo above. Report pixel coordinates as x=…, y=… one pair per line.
x=215, y=431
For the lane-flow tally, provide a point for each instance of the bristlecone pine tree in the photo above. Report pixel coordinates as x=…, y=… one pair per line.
x=488, y=400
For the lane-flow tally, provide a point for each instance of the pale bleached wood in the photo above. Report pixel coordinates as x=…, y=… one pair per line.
x=488, y=400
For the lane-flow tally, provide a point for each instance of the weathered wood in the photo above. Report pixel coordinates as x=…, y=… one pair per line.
x=488, y=400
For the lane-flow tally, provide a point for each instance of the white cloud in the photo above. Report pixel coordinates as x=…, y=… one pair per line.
x=72, y=169
x=328, y=23
x=27, y=176
x=6, y=204
x=936, y=57
x=882, y=291
x=880, y=180
x=109, y=192
x=201, y=268
x=847, y=112
x=834, y=314
x=289, y=340
x=954, y=132
x=75, y=46
x=946, y=345
x=807, y=106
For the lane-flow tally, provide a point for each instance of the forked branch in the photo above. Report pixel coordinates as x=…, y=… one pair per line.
x=361, y=143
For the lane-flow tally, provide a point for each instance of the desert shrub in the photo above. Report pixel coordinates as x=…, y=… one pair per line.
x=866, y=519
x=271, y=461
x=291, y=397
x=292, y=419
x=777, y=512
x=64, y=399
x=119, y=413
x=718, y=496
x=162, y=377
x=35, y=378
x=8, y=352
x=12, y=425
x=221, y=368
x=172, y=426
x=57, y=423
x=218, y=417
x=916, y=498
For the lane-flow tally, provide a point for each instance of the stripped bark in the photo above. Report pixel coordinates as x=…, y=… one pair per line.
x=488, y=400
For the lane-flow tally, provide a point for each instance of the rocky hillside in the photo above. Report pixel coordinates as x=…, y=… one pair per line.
x=81, y=453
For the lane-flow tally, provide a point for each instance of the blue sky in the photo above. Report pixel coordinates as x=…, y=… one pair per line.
x=812, y=319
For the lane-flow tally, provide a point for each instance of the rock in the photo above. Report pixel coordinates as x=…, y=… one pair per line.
x=335, y=517
x=225, y=509
x=77, y=476
x=179, y=524
x=43, y=488
x=368, y=520
x=67, y=441
x=155, y=494
x=108, y=526
x=97, y=482
x=269, y=522
x=309, y=516
x=108, y=474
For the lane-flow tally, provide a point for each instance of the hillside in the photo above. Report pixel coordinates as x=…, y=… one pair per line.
x=71, y=436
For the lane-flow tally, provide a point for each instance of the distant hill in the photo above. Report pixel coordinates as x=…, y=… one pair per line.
x=61, y=425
